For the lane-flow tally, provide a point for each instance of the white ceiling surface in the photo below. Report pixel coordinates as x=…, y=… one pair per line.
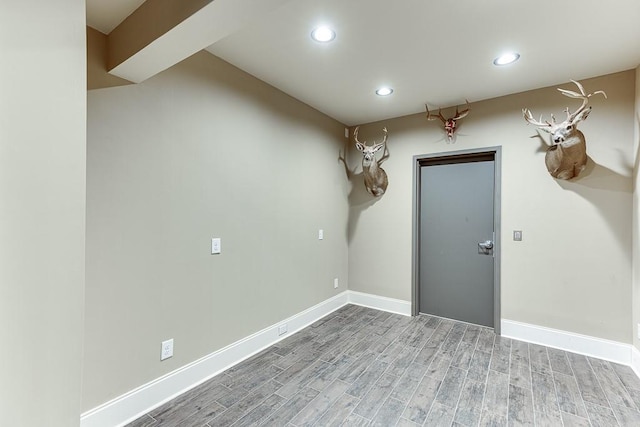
x=436, y=52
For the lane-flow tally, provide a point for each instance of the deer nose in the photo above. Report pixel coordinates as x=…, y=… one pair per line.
x=558, y=139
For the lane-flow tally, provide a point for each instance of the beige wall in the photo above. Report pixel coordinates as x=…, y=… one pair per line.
x=203, y=150
x=572, y=271
x=42, y=199
x=636, y=215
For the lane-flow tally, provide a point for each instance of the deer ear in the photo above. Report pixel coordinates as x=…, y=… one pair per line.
x=377, y=147
x=359, y=146
x=583, y=115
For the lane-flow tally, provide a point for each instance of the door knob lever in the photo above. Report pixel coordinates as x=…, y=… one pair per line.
x=487, y=244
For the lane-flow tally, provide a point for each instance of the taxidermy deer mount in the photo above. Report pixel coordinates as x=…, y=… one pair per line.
x=450, y=124
x=375, y=178
x=567, y=155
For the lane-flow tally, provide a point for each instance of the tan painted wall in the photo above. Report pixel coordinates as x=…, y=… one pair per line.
x=572, y=271
x=42, y=211
x=203, y=150
x=636, y=215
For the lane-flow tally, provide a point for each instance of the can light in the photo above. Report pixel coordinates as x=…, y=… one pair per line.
x=506, y=58
x=323, y=34
x=384, y=91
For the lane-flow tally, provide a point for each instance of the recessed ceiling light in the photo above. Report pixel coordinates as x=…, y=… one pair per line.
x=323, y=34
x=384, y=91
x=506, y=58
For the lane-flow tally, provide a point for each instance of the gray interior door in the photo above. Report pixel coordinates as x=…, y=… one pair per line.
x=456, y=271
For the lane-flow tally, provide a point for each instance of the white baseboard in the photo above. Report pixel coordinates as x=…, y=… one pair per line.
x=635, y=360
x=582, y=344
x=380, y=303
x=138, y=402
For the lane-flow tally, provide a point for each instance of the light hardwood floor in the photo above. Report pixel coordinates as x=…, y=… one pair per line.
x=363, y=367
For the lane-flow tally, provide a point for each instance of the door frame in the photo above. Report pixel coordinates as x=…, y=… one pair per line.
x=459, y=157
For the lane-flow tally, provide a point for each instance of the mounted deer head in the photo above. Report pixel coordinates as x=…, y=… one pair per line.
x=450, y=124
x=567, y=155
x=375, y=178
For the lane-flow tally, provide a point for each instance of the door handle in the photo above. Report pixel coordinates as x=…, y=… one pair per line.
x=487, y=245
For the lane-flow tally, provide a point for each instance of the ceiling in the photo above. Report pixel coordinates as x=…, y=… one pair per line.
x=436, y=52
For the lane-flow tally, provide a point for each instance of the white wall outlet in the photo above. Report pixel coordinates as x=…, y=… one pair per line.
x=216, y=245
x=167, y=349
x=320, y=234
x=335, y=283
x=517, y=235
x=282, y=329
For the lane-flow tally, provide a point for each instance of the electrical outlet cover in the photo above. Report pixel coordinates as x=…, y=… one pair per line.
x=167, y=349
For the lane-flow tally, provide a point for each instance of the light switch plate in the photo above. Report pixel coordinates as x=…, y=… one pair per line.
x=216, y=245
x=517, y=235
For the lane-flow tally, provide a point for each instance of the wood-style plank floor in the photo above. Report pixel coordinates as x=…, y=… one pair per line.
x=363, y=367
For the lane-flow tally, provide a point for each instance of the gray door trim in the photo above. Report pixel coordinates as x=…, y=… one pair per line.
x=457, y=156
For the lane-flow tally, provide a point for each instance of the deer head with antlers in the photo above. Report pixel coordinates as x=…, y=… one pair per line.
x=450, y=124
x=375, y=178
x=567, y=155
